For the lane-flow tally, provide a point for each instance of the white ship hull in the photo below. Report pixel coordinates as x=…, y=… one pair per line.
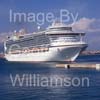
x=56, y=53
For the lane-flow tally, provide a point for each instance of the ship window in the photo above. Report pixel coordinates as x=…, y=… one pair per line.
x=62, y=28
x=21, y=36
x=64, y=38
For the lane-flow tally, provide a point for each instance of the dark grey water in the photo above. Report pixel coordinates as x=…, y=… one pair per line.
x=8, y=92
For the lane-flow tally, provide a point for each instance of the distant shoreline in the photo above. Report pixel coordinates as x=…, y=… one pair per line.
x=1, y=55
x=90, y=53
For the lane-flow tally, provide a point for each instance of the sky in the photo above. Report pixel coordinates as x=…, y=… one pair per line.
x=88, y=19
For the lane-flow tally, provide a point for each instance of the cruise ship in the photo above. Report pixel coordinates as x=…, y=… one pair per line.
x=57, y=42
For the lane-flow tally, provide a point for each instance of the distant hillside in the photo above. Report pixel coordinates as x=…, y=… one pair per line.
x=1, y=47
x=3, y=37
x=91, y=52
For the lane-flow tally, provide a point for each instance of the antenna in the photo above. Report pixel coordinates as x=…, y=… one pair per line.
x=38, y=27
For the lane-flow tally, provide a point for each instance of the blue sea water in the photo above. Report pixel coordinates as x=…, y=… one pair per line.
x=8, y=92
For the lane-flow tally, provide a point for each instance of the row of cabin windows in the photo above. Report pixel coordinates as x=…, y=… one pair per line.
x=34, y=51
x=38, y=38
x=67, y=39
x=61, y=28
x=31, y=42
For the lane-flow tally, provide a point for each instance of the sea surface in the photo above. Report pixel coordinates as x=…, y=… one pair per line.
x=25, y=92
